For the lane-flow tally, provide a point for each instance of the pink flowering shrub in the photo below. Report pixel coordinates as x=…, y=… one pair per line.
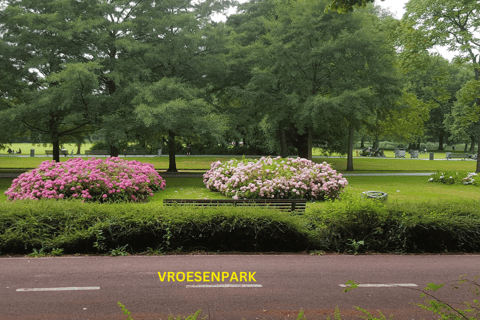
x=93, y=180
x=275, y=178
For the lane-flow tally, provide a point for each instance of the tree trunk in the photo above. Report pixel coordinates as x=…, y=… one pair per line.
x=350, y=149
x=79, y=145
x=472, y=145
x=283, y=143
x=440, y=142
x=172, y=165
x=302, y=149
x=376, y=143
x=478, y=152
x=466, y=148
x=113, y=151
x=309, y=144
x=56, y=148
x=477, y=100
x=362, y=144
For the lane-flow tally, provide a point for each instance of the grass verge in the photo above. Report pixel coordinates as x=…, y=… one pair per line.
x=340, y=164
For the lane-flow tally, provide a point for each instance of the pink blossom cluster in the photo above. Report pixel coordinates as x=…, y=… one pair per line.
x=279, y=178
x=92, y=180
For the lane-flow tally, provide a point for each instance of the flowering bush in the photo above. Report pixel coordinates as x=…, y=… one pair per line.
x=275, y=178
x=93, y=180
x=453, y=177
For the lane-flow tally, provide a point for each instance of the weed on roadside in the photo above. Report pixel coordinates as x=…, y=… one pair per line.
x=119, y=251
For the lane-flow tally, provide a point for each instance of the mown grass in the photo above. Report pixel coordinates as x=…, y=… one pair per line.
x=41, y=147
x=340, y=164
x=401, y=188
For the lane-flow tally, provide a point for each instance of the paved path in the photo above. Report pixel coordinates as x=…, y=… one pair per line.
x=89, y=287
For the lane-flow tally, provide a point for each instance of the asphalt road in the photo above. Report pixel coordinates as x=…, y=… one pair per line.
x=89, y=287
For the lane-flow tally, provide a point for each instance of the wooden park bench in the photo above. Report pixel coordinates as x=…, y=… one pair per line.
x=96, y=152
x=134, y=152
x=290, y=205
x=50, y=152
x=457, y=155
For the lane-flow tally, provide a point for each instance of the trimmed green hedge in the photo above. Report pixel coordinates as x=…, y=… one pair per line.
x=90, y=228
x=401, y=227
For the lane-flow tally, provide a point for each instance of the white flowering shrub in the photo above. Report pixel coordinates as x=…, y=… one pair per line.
x=278, y=178
x=454, y=177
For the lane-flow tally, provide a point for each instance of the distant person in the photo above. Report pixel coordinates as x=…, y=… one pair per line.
x=10, y=151
x=189, y=147
x=64, y=151
x=19, y=151
x=453, y=148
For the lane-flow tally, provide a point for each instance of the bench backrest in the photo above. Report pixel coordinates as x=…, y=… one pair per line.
x=297, y=205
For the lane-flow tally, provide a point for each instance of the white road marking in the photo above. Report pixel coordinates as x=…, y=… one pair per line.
x=225, y=286
x=382, y=285
x=59, y=289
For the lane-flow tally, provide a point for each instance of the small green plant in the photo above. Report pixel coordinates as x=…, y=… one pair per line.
x=446, y=310
x=56, y=252
x=317, y=253
x=355, y=245
x=190, y=317
x=99, y=244
x=167, y=236
x=336, y=314
x=155, y=252
x=125, y=311
x=470, y=311
x=38, y=253
x=119, y=251
x=368, y=316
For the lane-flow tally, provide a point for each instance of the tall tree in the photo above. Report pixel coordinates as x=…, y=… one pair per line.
x=451, y=23
x=128, y=41
x=172, y=107
x=317, y=75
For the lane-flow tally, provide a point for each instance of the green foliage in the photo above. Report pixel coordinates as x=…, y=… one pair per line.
x=454, y=177
x=55, y=252
x=170, y=317
x=356, y=245
x=369, y=316
x=124, y=310
x=344, y=6
x=119, y=251
x=440, y=226
x=87, y=228
x=470, y=310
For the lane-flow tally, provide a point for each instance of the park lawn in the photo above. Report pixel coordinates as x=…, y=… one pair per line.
x=41, y=147
x=412, y=188
x=361, y=165
x=203, y=163
x=160, y=163
x=415, y=189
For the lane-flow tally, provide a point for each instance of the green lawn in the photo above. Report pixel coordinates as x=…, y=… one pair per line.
x=340, y=164
x=398, y=188
x=40, y=147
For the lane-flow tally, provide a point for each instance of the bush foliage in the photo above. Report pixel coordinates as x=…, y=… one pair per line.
x=92, y=180
x=402, y=227
x=275, y=178
x=96, y=228
x=350, y=225
x=454, y=177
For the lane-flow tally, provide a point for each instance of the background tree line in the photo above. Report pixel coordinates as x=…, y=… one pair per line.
x=280, y=76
